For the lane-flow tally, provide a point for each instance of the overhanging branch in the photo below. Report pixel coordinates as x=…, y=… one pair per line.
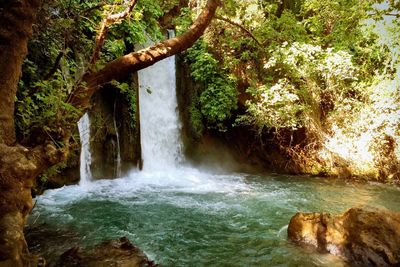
x=105, y=24
x=127, y=64
x=248, y=33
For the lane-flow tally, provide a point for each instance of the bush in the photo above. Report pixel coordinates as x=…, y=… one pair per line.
x=219, y=97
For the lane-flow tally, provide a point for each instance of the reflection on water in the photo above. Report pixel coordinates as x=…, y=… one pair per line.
x=188, y=218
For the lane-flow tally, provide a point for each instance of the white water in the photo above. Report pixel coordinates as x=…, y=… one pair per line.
x=117, y=172
x=159, y=125
x=86, y=157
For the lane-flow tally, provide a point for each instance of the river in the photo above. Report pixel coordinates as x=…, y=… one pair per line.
x=193, y=218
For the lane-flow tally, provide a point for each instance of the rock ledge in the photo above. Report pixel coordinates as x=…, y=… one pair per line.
x=363, y=236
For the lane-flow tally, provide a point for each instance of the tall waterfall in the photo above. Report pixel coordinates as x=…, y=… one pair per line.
x=159, y=125
x=117, y=171
x=86, y=158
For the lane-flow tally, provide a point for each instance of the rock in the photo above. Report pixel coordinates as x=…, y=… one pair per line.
x=363, y=236
x=114, y=253
x=49, y=243
x=106, y=105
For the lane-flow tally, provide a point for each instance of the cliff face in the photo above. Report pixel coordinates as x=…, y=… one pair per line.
x=113, y=132
x=111, y=113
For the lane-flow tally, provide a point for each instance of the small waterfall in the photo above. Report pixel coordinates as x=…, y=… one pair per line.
x=117, y=171
x=159, y=125
x=86, y=157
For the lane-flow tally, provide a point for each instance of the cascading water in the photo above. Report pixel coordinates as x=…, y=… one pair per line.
x=86, y=157
x=159, y=126
x=117, y=171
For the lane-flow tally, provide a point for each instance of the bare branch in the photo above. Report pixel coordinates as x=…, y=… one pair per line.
x=166, y=20
x=105, y=24
x=55, y=66
x=240, y=27
x=87, y=11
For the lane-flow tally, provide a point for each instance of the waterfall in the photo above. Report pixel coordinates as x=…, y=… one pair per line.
x=86, y=158
x=159, y=125
x=117, y=172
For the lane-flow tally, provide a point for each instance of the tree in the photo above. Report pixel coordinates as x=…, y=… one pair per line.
x=313, y=79
x=21, y=164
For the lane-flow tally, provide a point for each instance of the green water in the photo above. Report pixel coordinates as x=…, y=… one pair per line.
x=188, y=218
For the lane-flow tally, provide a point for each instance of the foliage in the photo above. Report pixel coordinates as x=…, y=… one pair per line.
x=184, y=20
x=43, y=109
x=218, y=100
x=60, y=52
x=275, y=107
x=334, y=23
x=219, y=97
x=133, y=31
x=308, y=76
x=329, y=67
x=196, y=118
x=129, y=92
x=368, y=137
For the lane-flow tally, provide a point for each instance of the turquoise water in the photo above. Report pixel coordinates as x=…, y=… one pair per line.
x=191, y=218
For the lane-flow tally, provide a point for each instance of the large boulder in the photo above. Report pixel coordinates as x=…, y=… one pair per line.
x=363, y=236
x=114, y=253
x=49, y=243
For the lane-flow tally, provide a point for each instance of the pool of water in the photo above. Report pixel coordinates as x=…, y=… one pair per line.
x=191, y=218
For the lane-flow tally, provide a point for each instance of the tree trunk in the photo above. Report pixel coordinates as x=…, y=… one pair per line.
x=284, y=5
x=17, y=170
x=16, y=19
x=17, y=174
x=19, y=167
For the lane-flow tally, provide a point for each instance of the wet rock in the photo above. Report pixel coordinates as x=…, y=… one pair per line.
x=49, y=243
x=363, y=236
x=114, y=253
x=109, y=116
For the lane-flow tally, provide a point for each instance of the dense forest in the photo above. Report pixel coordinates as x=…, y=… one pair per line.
x=290, y=86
